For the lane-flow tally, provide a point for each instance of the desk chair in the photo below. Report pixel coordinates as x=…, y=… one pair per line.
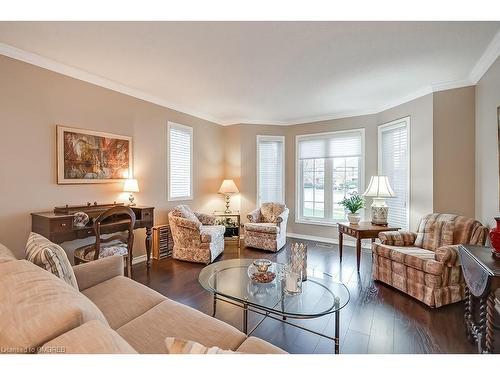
x=118, y=244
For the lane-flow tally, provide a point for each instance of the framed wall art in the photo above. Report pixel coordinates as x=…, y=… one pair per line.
x=92, y=157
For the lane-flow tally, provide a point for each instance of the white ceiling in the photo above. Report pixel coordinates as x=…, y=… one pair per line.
x=262, y=72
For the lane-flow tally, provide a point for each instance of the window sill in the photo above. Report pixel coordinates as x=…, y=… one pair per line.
x=312, y=222
x=170, y=199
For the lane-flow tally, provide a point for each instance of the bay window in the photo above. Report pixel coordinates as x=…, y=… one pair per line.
x=329, y=168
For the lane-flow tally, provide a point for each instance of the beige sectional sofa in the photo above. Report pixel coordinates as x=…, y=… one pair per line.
x=110, y=313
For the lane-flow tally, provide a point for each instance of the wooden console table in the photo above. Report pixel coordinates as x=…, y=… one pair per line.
x=362, y=230
x=57, y=225
x=481, y=271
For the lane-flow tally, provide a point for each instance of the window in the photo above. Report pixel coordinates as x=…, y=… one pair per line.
x=180, y=162
x=394, y=162
x=270, y=169
x=329, y=168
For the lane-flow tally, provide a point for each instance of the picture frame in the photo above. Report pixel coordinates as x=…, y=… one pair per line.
x=92, y=157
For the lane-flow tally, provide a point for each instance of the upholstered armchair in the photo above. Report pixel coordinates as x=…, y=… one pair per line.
x=196, y=237
x=426, y=265
x=266, y=228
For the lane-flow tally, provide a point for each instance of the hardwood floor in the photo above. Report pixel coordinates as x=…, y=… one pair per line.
x=377, y=319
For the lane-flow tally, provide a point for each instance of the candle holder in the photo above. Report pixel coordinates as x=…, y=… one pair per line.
x=298, y=258
x=292, y=279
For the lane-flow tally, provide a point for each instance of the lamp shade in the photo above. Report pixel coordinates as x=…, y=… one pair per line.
x=379, y=188
x=228, y=187
x=131, y=186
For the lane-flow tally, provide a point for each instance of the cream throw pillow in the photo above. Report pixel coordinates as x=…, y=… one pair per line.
x=50, y=256
x=180, y=346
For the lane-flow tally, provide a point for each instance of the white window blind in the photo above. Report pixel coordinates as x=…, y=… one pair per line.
x=394, y=163
x=270, y=169
x=180, y=162
x=329, y=168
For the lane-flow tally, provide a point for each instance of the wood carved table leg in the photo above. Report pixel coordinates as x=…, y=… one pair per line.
x=490, y=320
x=481, y=325
x=358, y=252
x=341, y=241
x=148, y=246
x=468, y=315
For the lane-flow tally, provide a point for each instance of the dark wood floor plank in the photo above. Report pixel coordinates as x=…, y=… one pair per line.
x=377, y=319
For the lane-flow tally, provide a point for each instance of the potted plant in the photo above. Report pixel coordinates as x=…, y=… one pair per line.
x=352, y=205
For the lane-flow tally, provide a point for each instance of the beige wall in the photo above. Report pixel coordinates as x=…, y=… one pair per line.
x=487, y=168
x=33, y=100
x=454, y=151
x=241, y=159
x=421, y=153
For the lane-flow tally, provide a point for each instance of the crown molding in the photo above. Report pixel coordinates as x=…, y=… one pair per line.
x=487, y=59
x=67, y=70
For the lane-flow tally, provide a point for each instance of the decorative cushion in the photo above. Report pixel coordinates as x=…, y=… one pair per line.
x=262, y=227
x=106, y=251
x=51, y=257
x=211, y=233
x=180, y=346
x=433, y=234
x=185, y=211
x=443, y=233
x=270, y=211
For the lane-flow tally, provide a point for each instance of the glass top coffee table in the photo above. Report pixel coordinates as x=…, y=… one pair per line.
x=321, y=295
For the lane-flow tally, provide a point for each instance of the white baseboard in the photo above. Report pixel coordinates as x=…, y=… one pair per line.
x=139, y=259
x=329, y=240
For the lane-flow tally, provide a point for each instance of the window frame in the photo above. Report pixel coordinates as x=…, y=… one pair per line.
x=298, y=182
x=280, y=138
x=189, y=129
x=389, y=126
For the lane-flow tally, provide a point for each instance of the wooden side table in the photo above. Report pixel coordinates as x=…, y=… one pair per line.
x=481, y=271
x=232, y=222
x=361, y=231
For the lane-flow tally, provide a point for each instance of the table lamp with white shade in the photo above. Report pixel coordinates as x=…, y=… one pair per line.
x=131, y=186
x=228, y=188
x=379, y=189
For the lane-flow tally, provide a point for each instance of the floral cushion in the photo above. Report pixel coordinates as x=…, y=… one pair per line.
x=262, y=227
x=106, y=251
x=270, y=211
x=185, y=211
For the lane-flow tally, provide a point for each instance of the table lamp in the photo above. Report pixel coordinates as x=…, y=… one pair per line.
x=379, y=189
x=131, y=186
x=227, y=188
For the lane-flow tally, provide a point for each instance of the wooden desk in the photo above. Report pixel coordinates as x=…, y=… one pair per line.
x=361, y=231
x=58, y=227
x=481, y=271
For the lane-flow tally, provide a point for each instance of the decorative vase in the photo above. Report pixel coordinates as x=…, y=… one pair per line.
x=495, y=237
x=353, y=218
x=298, y=259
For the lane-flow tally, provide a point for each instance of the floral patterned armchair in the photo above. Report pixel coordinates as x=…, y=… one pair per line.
x=196, y=237
x=266, y=228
